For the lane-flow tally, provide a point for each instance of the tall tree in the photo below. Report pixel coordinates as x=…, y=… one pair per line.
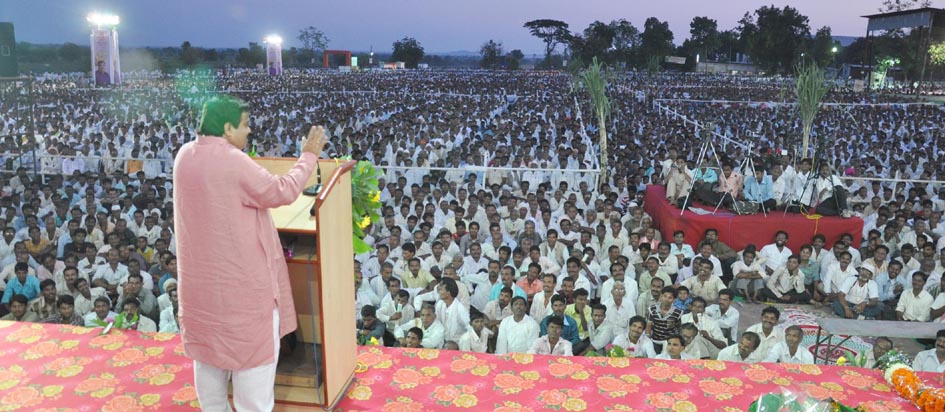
x=189, y=55
x=821, y=49
x=900, y=5
x=656, y=40
x=552, y=32
x=313, y=41
x=775, y=37
x=596, y=41
x=491, y=53
x=626, y=40
x=409, y=51
x=515, y=59
x=937, y=54
x=728, y=46
x=704, y=36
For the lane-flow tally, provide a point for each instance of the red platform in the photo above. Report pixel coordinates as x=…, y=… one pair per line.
x=73, y=369
x=412, y=380
x=738, y=231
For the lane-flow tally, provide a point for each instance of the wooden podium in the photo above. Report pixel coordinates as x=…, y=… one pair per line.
x=321, y=271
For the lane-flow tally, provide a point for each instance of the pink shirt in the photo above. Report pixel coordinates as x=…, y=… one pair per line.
x=231, y=269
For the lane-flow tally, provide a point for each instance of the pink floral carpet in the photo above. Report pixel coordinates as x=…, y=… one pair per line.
x=401, y=380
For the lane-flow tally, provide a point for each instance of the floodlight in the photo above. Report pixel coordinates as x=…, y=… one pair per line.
x=834, y=49
x=100, y=19
x=273, y=39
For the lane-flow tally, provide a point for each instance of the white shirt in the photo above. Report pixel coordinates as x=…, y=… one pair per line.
x=781, y=353
x=472, y=342
x=111, y=276
x=516, y=336
x=731, y=354
x=927, y=361
x=856, y=293
x=600, y=336
x=642, y=349
x=705, y=323
x=937, y=304
x=542, y=346
x=729, y=320
x=775, y=258
x=682, y=356
x=454, y=318
x=767, y=342
x=915, y=307
x=607, y=288
x=540, y=308
x=433, y=336
x=619, y=316
x=834, y=277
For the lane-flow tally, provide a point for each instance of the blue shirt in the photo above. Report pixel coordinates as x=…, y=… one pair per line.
x=30, y=288
x=497, y=289
x=167, y=276
x=709, y=176
x=682, y=305
x=569, y=332
x=887, y=287
x=759, y=192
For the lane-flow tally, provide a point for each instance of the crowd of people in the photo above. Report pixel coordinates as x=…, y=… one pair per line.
x=498, y=233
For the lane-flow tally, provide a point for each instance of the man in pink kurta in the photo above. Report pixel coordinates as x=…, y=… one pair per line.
x=233, y=282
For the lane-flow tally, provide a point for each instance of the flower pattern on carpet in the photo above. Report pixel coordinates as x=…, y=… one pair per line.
x=67, y=368
x=392, y=379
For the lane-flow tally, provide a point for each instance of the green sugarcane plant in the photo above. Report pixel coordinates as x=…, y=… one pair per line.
x=594, y=79
x=810, y=89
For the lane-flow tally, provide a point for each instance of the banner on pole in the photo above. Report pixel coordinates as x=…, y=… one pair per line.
x=106, y=66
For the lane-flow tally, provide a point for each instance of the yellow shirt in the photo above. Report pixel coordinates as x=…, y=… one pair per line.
x=35, y=249
x=581, y=326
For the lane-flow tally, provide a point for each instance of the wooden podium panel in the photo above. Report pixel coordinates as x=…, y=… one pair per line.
x=321, y=273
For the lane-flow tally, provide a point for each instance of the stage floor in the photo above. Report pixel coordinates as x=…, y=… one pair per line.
x=738, y=231
x=391, y=379
x=65, y=368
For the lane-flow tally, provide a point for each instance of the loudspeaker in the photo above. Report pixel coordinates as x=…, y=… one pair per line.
x=8, y=67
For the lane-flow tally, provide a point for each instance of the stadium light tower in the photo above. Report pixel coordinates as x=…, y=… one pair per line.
x=106, y=65
x=273, y=54
x=101, y=20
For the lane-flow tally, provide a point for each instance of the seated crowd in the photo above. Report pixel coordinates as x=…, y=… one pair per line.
x=491, y=259
x=90, y=259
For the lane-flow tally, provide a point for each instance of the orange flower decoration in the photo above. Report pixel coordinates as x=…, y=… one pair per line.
x=128, y=356
x=122, y=403
x=407, y=378
x=552, y=398
x=41, y=350
x=402, y=404
x=184, y=395
x=661, y=371
x=23, y=397
x=660, y=400
x=760, y=374
x=94, y=384
x=510, y=383
x=446, y=393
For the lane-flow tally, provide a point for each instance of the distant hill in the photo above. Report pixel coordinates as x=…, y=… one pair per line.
x=845, y=40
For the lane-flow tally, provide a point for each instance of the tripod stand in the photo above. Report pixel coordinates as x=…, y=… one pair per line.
x=703, y=152
x=747, y=166
x=811, y=177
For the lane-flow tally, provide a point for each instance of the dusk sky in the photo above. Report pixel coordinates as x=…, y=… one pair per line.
x=439, y=25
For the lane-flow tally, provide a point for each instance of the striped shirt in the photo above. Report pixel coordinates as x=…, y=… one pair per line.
x=664, y=326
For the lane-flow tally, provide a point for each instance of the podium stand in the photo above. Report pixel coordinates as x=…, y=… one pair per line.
x=321, y=271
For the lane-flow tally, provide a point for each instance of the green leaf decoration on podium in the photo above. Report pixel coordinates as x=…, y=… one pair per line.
x=365, y=202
